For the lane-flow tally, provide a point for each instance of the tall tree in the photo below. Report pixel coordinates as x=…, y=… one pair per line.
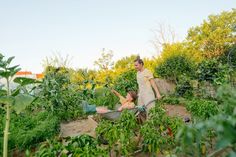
x=214, y=36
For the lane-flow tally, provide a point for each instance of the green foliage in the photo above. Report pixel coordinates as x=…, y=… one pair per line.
x=29, y=129
x=159, y=130
x=26, y=85
x=226, y=96
x=104, y=97
x=79, y=75
x=175, y=66
x=86, y=146
x=121, y=131
x=17, y=102
x=83, y=145
x=184, y=87
x=214, y=136
x=171, y=100
x=51, y=148
x=201, y=108
x=231, y=57
x=214, y=36
x=125, y=63
x=126, y=81
x=213, y=71
x=57, y=95
x=88, y=90
x=101, y=96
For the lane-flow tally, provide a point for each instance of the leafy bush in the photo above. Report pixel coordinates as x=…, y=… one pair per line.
x=213, y=71
x=57, y=95
x=126, y=81
x=29, y=129
x=214, y=136
x=83, y=145
x=159, y=131
x=184, y=87
x=171, y=100
x=121, y=131
x=201, y=108
x=104, y=97
x=175, y=66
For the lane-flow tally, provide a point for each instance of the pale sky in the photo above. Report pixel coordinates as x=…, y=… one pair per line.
x=32, y=30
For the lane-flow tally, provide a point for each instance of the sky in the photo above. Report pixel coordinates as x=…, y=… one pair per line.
x=33, y=30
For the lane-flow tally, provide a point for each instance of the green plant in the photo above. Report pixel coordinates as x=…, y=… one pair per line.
x=184, y=87
x=171, y=100
x=51, y=148
x=58, y=95
x=159, y=130
x=104, y=97
x=29, y=129
x=201, y=108
x=213, y=71
x=83, y=145
x=86, y=146
x=214, y=136
x=17, y=102
x=174, y=67
x=125, y=82
x=119, y=134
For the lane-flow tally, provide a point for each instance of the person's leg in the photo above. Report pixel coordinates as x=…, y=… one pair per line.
x=87, y=108
x=102, y=109
x=147, y=98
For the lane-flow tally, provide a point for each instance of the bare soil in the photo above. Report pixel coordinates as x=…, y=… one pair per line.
x=78, y=127
x=177, y=111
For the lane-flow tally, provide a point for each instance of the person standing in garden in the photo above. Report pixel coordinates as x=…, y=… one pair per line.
x=146, y=85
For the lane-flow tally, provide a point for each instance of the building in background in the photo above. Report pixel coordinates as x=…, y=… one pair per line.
x=27, y=74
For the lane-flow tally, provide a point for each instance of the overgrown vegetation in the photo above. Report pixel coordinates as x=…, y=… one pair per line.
x=200, y=67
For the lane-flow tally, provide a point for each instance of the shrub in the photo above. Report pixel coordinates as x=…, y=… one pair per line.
x=104, y=97
x=29, y=129
x=201, y=108
x=175, y=66
x=126, y=81
x=213, y=71
x=184, y=87
x=58, y=95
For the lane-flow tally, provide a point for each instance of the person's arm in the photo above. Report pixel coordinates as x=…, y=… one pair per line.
x=122, y=99
x=154, y=86
x=116, y=93
x=126, y=106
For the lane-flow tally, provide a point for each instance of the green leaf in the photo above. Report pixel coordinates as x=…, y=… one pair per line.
x=10, y=59
x=12, y=68
x=7, y=100
x=5, y=74
x=3, y=92
x=3, y=64
x=25, y=81
x=21, y=102
x=1, y=56
x=13, y=72
x=16, y=91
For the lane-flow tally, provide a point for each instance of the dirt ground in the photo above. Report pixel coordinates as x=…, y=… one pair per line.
x=87, y=126
x=177, y=110
x=78, y=127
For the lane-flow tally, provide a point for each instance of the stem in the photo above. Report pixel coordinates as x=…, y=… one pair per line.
x=8, y=87
x=6, y=131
